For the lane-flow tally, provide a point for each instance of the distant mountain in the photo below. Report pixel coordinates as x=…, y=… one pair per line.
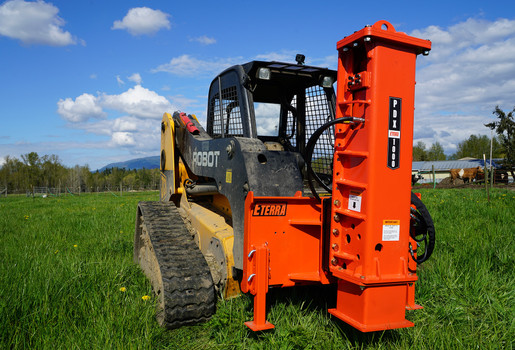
x=139, y=163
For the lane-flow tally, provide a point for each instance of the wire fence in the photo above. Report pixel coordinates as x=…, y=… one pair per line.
x=44, y=192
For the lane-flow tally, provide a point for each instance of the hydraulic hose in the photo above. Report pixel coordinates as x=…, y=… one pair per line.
x=422, y=230
x=311, y=146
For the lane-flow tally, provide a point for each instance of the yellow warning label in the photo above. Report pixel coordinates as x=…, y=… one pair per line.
x=391, y=230
x=228, y=176
x=391, y=222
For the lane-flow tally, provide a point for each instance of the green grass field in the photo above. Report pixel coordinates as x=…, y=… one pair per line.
x=67, y=281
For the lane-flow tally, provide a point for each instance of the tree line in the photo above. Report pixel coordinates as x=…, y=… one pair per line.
x=33, y=170
x=502, y=145
x=475, y=146
x=48, y=171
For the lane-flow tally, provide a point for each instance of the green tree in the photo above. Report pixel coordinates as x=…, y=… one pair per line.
x=144, y=178
x=436, y=152
x=477, y=145
x=52, y=171
x=130, y=180
x=420, y=152
x=505, y=129
x=10, y=174
x=32, y=169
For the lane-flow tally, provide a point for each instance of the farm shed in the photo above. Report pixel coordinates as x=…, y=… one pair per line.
x=442, y=168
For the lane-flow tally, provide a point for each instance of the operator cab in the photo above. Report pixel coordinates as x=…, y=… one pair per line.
x=282, y=104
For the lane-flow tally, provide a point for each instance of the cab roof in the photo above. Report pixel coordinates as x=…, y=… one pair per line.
x=285, y=78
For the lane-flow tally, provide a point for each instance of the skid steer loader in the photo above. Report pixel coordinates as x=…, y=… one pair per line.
x=290, y=184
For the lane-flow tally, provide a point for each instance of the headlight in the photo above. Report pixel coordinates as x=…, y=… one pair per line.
x=327, y=82
x=264, y=73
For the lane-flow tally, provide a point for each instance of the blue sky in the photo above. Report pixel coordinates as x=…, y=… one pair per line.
x=90, y=80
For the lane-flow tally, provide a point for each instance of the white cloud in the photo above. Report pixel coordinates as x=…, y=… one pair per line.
x=283, y=56
x=469, y=71
x=84, y=107
x=182, y=102
x=125, y=124
x=119, y=80
x=136, y=78
x=465, y=35
x=143, y=21
x=123, y=139
x=204, y=40
x=139, y=102
x=137, y=132
x=34, y=23
x=186, y=65
x=267, y=118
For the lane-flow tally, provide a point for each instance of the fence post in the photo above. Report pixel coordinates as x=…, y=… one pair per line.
x=434, y=175
x=486, y=178
x=492, y=171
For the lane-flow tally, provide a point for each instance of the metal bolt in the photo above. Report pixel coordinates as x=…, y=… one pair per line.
x=336, y=218
x=335, y=247
x=367, y=38
x=336, y=232
x=337, y=203
x=334, y=262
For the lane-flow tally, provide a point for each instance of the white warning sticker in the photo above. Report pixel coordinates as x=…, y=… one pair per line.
x=355, y=201
x=391, y=230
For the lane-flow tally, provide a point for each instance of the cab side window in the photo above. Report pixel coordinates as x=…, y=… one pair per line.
x=224, y=115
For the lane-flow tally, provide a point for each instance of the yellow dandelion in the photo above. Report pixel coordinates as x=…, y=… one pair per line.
x=26, y=217
x=75, y=246
x=145, y=297
x=123, y=289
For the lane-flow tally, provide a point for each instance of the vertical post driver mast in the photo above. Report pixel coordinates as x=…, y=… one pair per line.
x=370, y=217
x=360, y=237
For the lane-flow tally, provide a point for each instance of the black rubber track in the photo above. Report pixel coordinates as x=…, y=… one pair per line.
x=189, y=293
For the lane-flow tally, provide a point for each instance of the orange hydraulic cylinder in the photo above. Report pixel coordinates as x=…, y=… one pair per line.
x=370, y=219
